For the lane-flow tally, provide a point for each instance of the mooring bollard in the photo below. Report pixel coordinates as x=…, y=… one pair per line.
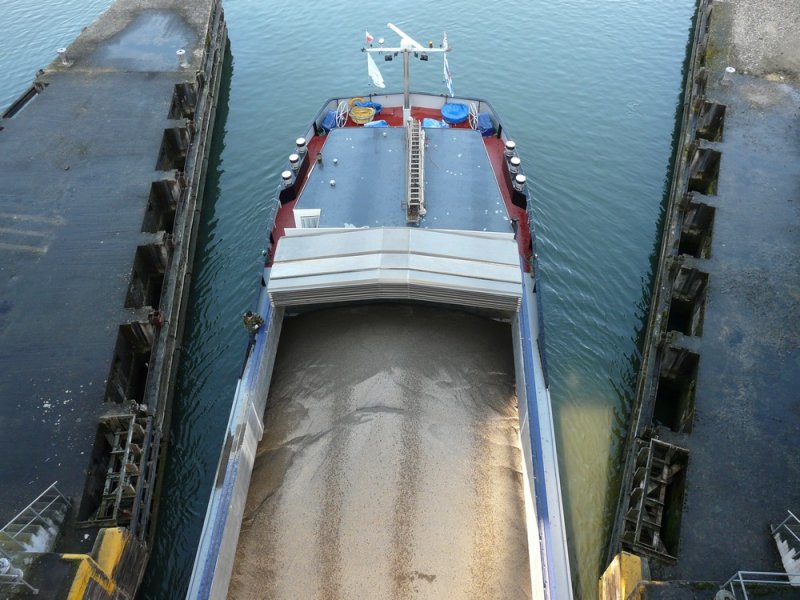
x=727, y=76
x=301, y=146
x=62, y=53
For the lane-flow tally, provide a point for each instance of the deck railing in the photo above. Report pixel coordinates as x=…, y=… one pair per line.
x=37, y=515
x=758, y=581
x=30, y=517
x=789, y=526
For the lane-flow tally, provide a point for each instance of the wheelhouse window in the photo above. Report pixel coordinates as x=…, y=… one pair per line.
x=306, y=218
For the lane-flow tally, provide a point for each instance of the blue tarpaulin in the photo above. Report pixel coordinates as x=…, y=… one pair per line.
x=378, y=107
x=485, y=125
x=455, y=113
x=434, y=124
x=329, y=122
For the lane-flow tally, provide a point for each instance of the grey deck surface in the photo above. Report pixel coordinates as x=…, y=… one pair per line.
x=744, y=464
x=76, y=167
x=460, y=186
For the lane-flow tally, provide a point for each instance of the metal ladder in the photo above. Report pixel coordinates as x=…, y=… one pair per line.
x=657, y=465
x=128, y=463
x=415, y=192
x=787, y=537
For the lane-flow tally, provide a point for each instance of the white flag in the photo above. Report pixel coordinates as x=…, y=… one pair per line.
x=374, y=72
x=448, y=78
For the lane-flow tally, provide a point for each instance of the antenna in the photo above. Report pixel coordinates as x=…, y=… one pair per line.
x=406, y=41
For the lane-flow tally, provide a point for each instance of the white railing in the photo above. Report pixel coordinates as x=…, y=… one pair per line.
x=755, y=579
x=34, y=516
x=790, y=525
x=27, y=521
x=13, y=577
x=787, y=538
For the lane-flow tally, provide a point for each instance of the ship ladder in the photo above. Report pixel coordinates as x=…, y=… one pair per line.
x=415, y=198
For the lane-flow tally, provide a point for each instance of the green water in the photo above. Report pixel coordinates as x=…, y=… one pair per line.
x=590, y=90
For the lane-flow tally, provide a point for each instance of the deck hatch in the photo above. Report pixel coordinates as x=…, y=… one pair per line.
x=475, y=269
x=362, y=181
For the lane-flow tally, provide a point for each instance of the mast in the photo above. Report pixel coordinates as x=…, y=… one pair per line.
x=408, y=45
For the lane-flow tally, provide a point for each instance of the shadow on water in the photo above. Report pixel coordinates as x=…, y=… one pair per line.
x=180, y=519
x=622, y=436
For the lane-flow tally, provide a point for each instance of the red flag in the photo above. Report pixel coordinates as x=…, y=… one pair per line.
x=369, y=38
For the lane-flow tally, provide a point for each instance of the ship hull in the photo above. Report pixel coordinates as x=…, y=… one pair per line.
x=508, y=298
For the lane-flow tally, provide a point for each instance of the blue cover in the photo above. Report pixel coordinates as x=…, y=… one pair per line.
x=380, y=123
x=329, y=122
x=434, y=124
x=485, y=125
x=378, y=107
x=455, y=113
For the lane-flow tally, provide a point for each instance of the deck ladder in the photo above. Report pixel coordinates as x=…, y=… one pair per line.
x=787, y=537
x=415, y=170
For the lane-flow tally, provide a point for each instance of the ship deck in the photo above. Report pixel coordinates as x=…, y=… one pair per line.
x=360, y=181
x=387, y=470
x=461, y=191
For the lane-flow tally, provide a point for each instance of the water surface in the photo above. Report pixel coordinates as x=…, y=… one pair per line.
x=590, y=90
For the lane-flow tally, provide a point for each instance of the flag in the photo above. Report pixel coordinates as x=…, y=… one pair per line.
x=374, y=72
x=448, y=78
x=369, y=38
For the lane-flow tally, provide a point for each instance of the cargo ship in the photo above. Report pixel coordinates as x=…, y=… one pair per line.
x=391, y=434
